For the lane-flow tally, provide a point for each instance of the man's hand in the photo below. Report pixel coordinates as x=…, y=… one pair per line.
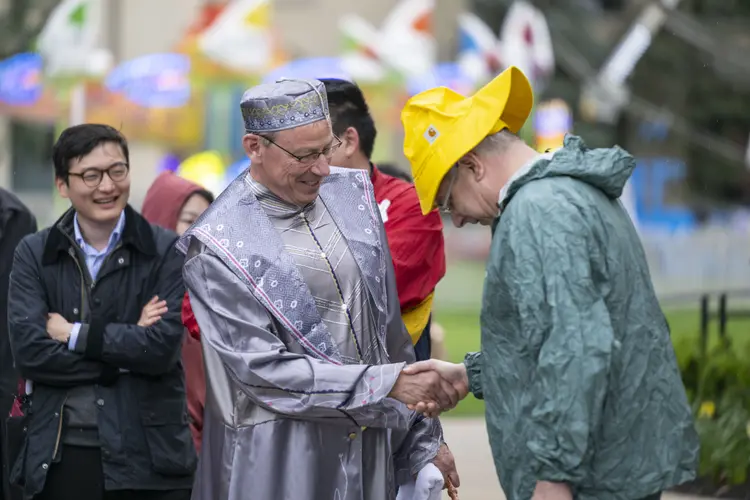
x=152, y=312
x=58, y=327
x=453, y=375
x=447, y=465
x=426, y=388
x=552, y=491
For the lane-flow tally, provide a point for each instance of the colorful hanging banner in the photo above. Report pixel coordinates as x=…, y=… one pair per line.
x=153, y=81
x=21, y=79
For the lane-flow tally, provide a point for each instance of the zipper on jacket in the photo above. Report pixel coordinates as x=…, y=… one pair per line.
x=72, y=254
x=93, y=282
x=59, y=428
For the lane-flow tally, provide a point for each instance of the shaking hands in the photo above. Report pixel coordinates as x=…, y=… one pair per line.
x=431, y=387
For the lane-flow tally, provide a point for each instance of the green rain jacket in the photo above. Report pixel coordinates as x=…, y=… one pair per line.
x=577, y=368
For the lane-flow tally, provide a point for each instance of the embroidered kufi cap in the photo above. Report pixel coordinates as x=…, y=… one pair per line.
x=285, y=104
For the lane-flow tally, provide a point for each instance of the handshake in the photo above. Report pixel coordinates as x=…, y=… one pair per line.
x=431, y=387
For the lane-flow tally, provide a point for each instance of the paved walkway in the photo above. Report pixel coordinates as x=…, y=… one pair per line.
x=467, y=438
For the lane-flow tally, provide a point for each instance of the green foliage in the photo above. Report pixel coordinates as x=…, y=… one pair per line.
x=725, y=446
x=718, y=385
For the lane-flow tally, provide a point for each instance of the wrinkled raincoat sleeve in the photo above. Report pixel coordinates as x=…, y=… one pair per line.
x=565, y=321
x=242, y=332
x=473, y=363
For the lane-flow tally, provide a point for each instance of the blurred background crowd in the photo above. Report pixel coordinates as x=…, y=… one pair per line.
x=669, y=80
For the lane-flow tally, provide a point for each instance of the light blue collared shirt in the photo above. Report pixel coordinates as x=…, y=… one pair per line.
x=94, y=260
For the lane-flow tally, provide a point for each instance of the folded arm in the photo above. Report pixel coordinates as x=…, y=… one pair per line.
x=37, y=356
x=152, y=350
x=241, y=331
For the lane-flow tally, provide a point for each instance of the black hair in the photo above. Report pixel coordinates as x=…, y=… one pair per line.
x=395, y=171
x=206, y=194
x=76, y=142
x=348, y=108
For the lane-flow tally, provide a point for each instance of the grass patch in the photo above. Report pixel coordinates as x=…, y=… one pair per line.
x=462, y=336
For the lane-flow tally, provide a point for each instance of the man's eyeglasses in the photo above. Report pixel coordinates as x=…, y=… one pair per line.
x=92, y=177
x=309, y=159
x=445, y=205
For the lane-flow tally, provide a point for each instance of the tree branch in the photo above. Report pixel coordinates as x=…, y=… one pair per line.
x=21, y=23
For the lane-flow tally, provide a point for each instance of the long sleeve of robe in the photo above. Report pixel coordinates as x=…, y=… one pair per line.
x=290, y=383
x=243, y=335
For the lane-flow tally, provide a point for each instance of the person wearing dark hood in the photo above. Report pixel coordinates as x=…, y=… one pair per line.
x=175, y=203
x=584, y=395
x=16, y=221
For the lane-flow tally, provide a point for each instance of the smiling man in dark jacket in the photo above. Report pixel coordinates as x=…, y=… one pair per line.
x=94, y=322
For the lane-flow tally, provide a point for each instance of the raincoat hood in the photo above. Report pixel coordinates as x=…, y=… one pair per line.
x=165, y=199
x=606, y=169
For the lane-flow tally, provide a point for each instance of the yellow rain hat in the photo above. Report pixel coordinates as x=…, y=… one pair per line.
x=441, y=126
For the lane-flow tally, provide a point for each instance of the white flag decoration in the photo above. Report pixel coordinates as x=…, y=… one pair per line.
x=479, y=49
x=69, y=41
x=403, y=44
x=526, y=42
x=359, y=59
x=240, y=37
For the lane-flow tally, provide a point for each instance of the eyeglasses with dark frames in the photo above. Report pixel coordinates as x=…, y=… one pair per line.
x=92, y=177
x=311, y=158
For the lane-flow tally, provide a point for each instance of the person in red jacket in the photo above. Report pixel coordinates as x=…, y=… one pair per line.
x=416, y=242
x=175, y=203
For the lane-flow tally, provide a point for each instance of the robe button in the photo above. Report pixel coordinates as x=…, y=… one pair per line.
x=353, y=436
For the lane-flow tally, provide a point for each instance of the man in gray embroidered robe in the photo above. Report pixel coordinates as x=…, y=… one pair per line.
x=291, y=282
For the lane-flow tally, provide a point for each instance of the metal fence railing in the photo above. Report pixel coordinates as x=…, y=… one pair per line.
x=723, y=314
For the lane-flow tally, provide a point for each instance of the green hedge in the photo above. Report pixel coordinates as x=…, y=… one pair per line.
x=718, y=386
